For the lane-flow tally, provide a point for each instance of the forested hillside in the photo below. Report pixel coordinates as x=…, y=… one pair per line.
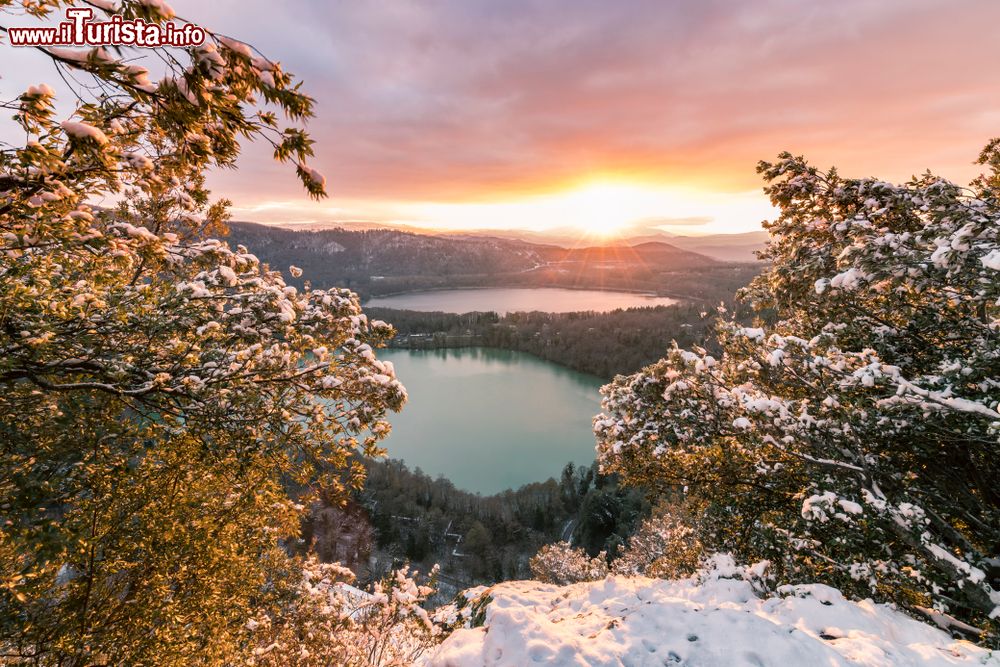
x=352, y=258
x=482, y=539
x=602, y=344
x=386, y=261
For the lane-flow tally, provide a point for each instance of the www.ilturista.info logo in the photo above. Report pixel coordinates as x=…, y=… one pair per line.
x=79, y=30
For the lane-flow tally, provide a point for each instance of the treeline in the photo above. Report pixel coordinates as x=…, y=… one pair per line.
x=371, y=261
x=482, y=539
x=709, y=283
x=603, y=344
x=386, y=261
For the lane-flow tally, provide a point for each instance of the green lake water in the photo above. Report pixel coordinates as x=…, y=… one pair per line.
x=490, y=420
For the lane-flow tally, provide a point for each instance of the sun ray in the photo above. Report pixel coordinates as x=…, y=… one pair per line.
x=603, y=209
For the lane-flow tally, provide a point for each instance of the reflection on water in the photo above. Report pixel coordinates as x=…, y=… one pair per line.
x=491, y=419
x=505, y=300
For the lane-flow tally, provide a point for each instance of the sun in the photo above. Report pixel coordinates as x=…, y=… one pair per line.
x=603, y=209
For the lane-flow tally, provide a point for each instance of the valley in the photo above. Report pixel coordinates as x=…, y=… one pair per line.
x=382, y=262
x=568, y=334
x=503, y=345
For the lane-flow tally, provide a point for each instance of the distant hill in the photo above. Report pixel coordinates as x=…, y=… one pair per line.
x=380, y=261
x=723, y=247
x=651, y=252
x=339, y=256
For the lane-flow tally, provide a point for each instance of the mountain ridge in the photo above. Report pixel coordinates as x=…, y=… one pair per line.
x=736, y=247
x=380, y=261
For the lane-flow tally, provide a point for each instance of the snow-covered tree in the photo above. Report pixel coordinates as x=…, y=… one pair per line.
x=665, y=546
x=160, y=392
x=562, y=563
x=852, y=435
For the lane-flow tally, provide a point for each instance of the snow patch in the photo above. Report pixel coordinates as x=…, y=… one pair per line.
x=79, y=130
x=708, y=621
x=753, y=333
x=992, y=260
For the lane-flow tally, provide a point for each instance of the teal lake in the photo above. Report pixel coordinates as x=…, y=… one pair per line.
x=505, y=300
x=490, y=420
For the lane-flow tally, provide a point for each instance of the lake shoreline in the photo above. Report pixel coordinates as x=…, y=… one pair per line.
x=489, y=419
x=509, y=300
x=496, y=348
x=430, y=290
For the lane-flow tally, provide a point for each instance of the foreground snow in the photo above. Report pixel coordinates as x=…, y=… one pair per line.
x=705, y=621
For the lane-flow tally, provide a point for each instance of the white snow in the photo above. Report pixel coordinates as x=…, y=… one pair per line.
x=41, y=90
x=992, y=260
x=81, y=130
x=710, y=620
x=138, y=161
x=236, y=45
x=753, y=333
x=267, y=79
x=135, y=232
x=850, y=506
x=227, y=276
x=313, y=175
x=139, y=76
x=849, y=280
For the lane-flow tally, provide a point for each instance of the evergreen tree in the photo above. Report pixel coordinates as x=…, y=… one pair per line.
x=855, y=439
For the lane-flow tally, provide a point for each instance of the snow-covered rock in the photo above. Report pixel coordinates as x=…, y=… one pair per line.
x=710, y=620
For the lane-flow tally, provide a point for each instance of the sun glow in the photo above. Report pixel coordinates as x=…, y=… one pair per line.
x=599, y=209
x=604, y=209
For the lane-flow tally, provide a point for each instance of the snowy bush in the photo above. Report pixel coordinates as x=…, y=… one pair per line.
x=562, y=563
x=665, y=546
x=325, y=621
x=851, y=436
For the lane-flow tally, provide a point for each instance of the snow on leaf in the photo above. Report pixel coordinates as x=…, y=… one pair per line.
x=81, y=130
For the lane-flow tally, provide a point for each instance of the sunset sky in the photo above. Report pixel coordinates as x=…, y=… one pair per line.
x=597, y=114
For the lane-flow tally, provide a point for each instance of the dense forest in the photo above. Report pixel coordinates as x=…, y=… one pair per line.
x=602, y=344
x=404, y=515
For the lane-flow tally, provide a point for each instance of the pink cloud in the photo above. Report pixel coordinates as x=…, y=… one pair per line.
x=471, y=99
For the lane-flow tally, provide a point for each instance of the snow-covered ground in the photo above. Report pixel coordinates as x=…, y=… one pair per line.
x=709, y=620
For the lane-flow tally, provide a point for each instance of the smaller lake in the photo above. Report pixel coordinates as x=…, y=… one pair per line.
x=504, y=300
x=490, y=420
